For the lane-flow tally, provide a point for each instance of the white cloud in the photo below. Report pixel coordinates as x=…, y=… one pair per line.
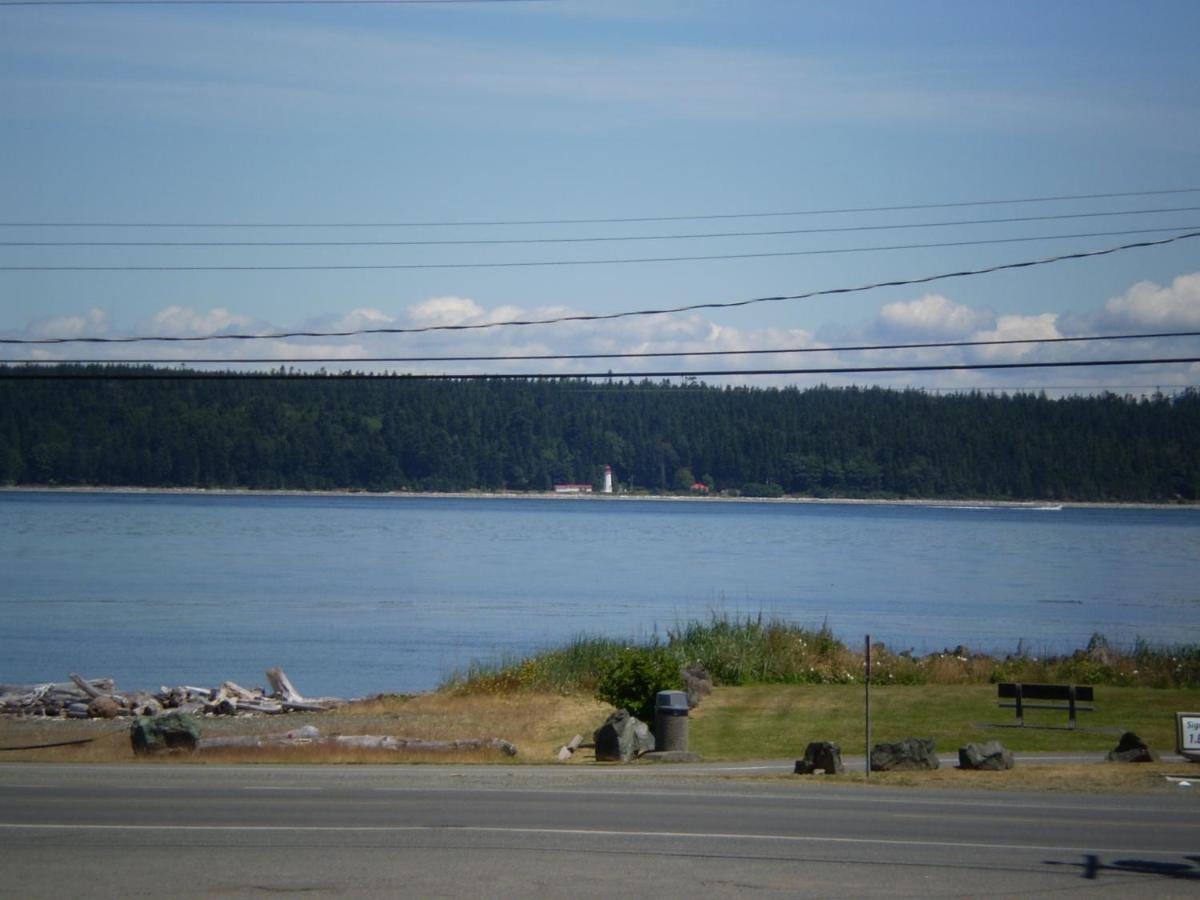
x=362, y=318
x=931, y=316
x=445, y=311
x=1149, y=304
x=1015, y=328
x=93, y=323
x=183, y=321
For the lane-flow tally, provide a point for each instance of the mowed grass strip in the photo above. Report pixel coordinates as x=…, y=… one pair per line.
x=776, y=721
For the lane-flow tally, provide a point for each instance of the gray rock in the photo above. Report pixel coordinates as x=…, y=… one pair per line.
x=908, y=754
x=824, y=756
x=172, y=731
x=992, y=756
x=1132, y=749
x=622, y=738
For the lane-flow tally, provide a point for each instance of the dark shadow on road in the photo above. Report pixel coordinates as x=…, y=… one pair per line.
x=1093, y=866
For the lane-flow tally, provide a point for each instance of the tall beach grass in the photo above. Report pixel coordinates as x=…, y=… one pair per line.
x=761, y=650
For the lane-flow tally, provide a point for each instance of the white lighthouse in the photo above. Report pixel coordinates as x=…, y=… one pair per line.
x=607, y=480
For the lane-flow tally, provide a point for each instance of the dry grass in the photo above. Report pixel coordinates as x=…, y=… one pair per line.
x=1095, y=778
x=538, y=724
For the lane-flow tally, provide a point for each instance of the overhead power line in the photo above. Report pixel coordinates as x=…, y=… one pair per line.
x=259, y=2
x=116, y=374
x=955, y=223
x=660, y=354
x=589, y=262
x=596, y=317
x=471, y=223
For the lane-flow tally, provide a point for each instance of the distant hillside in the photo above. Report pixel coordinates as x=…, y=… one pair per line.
x=391, y=434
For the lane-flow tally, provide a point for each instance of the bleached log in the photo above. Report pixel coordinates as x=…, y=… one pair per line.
x=27, y=696
x=226, y=706
x=309, y=735
x=387, y=742
x=282, y=687
x=233, y=689
x=302, y=706
x=91, y=691
x=296, y=737
x=269, y=707
x=568, y=750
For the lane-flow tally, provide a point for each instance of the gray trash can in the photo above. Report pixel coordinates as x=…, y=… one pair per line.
x=670, y=721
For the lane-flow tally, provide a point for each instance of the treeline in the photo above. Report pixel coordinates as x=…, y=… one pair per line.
x=376, y=433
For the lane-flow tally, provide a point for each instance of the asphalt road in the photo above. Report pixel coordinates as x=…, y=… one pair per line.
x=427, y=831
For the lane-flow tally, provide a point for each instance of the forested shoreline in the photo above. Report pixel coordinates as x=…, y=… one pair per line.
x=395, y=434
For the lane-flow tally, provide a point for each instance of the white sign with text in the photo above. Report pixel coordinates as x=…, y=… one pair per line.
x=1188, y=733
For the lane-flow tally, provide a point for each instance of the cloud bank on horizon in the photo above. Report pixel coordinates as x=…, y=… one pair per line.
x=930, y=317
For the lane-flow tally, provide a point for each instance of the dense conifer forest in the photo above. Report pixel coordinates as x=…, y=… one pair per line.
x=376, y=433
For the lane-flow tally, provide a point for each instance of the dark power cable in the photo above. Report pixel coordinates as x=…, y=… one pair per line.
x=595, y=317
x=475, y=242
x=381, y=267
x=10, y=373
x=481, y=223
x=658, y=354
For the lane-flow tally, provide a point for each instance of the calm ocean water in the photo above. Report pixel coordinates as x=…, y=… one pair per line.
x=360, y=594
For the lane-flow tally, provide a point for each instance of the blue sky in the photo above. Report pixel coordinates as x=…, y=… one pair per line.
x=594, y=110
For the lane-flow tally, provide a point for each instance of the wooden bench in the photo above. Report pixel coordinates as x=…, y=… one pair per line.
x=1068, y=696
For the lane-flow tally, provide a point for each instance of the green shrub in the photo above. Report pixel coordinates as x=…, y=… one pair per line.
x=634, y=675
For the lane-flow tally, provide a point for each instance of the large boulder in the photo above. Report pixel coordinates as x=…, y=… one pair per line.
x=1132, y=749
x=821, y=756
x=105, y=708
x=991, y=756
x=908, y=754
x=622, y=738
x=171, y=732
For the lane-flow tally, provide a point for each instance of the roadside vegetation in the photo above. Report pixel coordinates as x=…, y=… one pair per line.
x=776, y=687
x=765, y=651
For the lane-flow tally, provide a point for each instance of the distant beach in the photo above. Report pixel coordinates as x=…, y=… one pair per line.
x=960, y=503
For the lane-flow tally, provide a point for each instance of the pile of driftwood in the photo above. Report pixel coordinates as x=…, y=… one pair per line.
x=309, y=735
x=98, y=698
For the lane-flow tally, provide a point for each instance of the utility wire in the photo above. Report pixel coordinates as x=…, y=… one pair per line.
x=607, y=221
x=596, y=317
x=117, y=374
x=258, y=2
x=603, y=238
x=528, y=357
x=591, y=262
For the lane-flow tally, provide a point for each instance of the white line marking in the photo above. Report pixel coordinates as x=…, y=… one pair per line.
x=575, y=832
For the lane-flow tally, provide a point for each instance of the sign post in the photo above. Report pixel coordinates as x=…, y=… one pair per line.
x=867, y=682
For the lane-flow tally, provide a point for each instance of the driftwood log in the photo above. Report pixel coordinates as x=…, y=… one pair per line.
x=309, y=735
x=82, y=698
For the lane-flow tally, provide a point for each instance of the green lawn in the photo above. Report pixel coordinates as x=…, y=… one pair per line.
x=769, y=721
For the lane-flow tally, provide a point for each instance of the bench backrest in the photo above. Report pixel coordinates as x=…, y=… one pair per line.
x=1046, y=691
